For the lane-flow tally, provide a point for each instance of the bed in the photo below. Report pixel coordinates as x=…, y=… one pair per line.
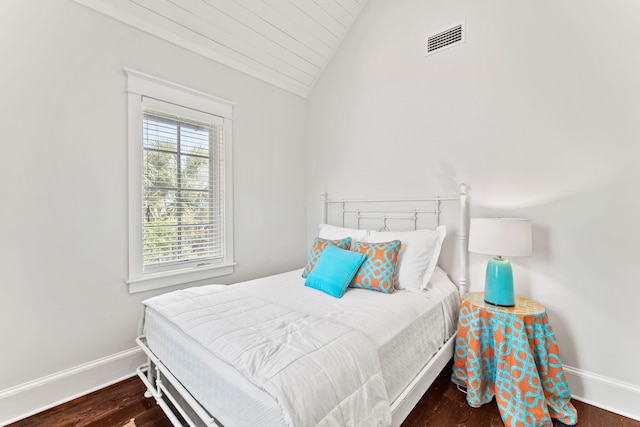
x=280, y=351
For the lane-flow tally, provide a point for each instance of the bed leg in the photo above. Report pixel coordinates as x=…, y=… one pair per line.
x=158, y=382
x=144, y=373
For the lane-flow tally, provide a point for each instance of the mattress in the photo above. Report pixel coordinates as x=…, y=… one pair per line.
x=406, y=329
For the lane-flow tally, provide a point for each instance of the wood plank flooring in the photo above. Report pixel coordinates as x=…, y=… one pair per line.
x=112, y=406
x=442, y=406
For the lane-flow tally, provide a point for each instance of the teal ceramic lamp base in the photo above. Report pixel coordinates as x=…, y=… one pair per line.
x=498, y=285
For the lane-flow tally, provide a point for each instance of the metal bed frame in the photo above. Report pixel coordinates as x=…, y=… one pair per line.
x=183, y=409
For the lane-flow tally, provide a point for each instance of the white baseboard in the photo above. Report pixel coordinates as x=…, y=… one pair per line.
x=606, y=393
x=43, y=393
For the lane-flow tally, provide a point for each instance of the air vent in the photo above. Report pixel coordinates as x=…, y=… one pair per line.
x=445, y=39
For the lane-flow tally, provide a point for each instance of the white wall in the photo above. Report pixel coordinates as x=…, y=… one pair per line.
x=538, y=111
x=63, y=217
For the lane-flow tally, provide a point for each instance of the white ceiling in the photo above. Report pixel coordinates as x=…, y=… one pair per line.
x=284, y=42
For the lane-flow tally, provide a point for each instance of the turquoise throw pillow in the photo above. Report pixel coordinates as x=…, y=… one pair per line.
x=334, y=270
x=320, y=245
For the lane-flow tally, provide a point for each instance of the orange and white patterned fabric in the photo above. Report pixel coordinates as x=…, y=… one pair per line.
x=380, y=268
x=511, y=353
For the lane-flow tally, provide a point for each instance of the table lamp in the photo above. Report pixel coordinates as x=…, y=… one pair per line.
x=500, y=237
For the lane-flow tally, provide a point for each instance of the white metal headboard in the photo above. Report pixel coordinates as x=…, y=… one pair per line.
x=358, y=209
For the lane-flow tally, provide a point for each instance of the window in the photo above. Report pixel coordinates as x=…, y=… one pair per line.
x=180, y=222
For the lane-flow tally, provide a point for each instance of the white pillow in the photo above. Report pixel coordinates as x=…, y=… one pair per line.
x=438, y=276
x=331, y=232
x=419, y=254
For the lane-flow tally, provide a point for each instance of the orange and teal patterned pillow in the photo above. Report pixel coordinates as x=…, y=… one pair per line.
x=320, y=245
x=380, y=268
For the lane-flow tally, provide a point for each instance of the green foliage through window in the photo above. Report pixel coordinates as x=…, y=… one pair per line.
x=181, y=211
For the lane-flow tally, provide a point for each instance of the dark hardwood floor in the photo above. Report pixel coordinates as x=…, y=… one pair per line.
x=112, y=406
x=442, y=406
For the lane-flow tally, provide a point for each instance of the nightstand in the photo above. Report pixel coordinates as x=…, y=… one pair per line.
x=511, y=353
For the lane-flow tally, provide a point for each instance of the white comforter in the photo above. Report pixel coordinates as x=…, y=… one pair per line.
x=320, y=372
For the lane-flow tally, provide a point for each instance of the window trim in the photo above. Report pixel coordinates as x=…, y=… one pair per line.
x=139, y=85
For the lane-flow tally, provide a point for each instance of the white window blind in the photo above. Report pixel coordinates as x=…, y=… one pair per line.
x=180, y=184
x=183, y=182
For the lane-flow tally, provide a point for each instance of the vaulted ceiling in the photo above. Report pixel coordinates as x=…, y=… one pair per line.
x=284, y=42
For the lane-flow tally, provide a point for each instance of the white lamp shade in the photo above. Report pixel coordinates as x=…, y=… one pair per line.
x=500, y=236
